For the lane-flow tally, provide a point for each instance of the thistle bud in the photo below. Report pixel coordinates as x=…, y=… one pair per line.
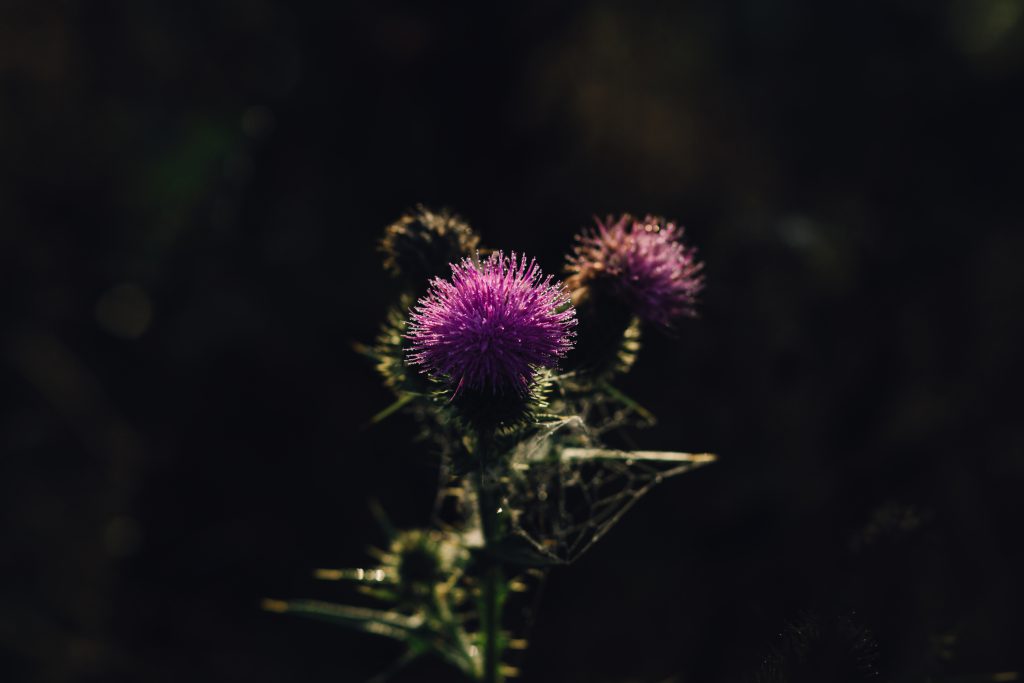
x=424, y=559
x=421, y=244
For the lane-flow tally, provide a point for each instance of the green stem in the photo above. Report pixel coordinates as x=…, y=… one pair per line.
x=493, y=593
x=489, y=520
x=491, y=624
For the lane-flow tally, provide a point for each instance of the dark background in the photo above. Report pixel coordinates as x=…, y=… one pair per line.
x=189, y=204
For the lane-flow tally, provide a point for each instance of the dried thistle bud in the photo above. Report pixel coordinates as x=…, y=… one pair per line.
x=422, y=242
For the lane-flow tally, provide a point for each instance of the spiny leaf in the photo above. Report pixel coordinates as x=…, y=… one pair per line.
x=374, y=576
x=694, y=459
x=402, y=401
x=391, y=624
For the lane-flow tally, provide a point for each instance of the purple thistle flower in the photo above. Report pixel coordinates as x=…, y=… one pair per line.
x=646, y=264
x=492, y=325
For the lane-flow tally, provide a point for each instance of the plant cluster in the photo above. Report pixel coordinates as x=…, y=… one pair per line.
x=509, y=372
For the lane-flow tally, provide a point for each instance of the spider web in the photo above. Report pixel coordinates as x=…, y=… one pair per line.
x=560, y=492
x=564, y=493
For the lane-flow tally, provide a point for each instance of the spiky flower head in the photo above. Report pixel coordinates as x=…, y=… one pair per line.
x=492, y=326
x=422, y=242
x=423, y=558
x=644, y=262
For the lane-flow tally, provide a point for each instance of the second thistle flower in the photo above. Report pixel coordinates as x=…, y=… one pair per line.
x=492, y=326
x=645, y=263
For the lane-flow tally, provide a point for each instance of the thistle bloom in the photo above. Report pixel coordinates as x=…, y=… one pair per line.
x=645, y=262
x=493, y=325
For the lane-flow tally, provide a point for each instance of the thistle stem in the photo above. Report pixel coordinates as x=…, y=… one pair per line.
x=492, y=594
x=491, y=624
